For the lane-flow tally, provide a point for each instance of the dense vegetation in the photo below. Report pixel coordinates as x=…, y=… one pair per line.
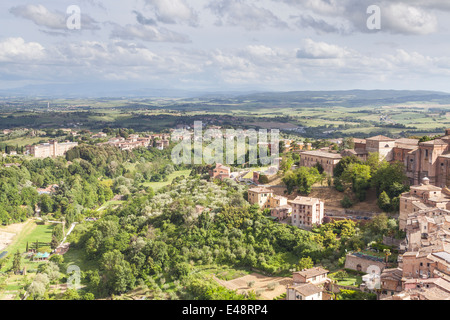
x=89, y=176
x=161, y=242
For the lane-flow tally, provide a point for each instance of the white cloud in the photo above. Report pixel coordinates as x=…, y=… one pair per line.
x=17, y=50
x=173, y=11
x=55, y=20
x=406, y=19
x=248, y=16
x=147, y=33
x=321, y=50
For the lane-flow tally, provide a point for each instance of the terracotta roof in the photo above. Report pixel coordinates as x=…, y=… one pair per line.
x=305, y=201
x=322, y=154
x=380, y=138
x=306, y=289
x=394, y=274
x=260, y=190
x=426, y=187
x=434, y=294
x=414, y=142
x=434, y=142
x=313, y=272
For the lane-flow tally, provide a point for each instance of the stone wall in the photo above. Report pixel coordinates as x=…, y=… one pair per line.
x=361, y=264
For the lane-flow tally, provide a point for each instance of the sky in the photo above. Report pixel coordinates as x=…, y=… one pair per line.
x=227, y=45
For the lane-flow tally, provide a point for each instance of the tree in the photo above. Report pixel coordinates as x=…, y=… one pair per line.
x=390, y=178
x=57, y=258
x=263, y=179
x=305, y=263
x=343, y=164
x=346, y=202
x=71, y=294
x=54, y=243
x=17, y=262
x=384, y=202
x=88, y=296
x=341, y=275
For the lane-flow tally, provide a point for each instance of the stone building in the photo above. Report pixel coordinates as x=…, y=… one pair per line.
x=52, y=149
x=361, y=262
x=422, y=197
x=328, y=160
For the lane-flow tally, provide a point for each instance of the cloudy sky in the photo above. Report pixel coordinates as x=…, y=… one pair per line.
x=227, y=45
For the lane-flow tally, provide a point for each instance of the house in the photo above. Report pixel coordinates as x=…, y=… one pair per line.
x=99, y=135
x=220, y=172
x=260, y=196
x=314, y=276
x=281, y=212
x=303, y=291
x=307, y=212
x=307, y=284
x=391, y=281
x=49, y=190
x=41, y=256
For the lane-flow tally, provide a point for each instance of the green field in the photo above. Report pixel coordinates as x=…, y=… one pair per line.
x=158, y=185
x=352, y=280
x=31, y=233
x=24, y=141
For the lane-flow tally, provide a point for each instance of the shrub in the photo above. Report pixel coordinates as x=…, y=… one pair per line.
x=346, y=202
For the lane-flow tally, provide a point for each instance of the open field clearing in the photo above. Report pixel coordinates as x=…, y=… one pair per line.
x=259, y=284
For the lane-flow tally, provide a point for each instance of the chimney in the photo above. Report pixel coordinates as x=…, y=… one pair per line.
x=447, y=132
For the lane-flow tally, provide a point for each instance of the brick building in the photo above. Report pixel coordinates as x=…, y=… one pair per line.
x=328, y=160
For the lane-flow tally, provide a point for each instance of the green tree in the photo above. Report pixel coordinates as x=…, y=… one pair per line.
x=305, y=263
x=384, y=202
x=17, y=262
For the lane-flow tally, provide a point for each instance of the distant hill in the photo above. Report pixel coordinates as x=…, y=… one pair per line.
x=347, y=98
x=350, y=98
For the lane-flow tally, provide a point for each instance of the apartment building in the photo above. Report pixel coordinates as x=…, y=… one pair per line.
x=307, y=212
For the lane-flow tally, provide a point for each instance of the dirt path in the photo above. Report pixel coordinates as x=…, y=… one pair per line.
x=11, y=233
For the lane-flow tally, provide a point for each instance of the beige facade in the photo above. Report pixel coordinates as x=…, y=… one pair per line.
x=314, y=276
x=307, y=212
x=260, y=196
x=328, y=160
x=422, y=197
x=304, y=291
x=51, y=149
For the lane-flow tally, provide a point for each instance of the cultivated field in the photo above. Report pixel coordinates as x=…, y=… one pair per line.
x=260, y=284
